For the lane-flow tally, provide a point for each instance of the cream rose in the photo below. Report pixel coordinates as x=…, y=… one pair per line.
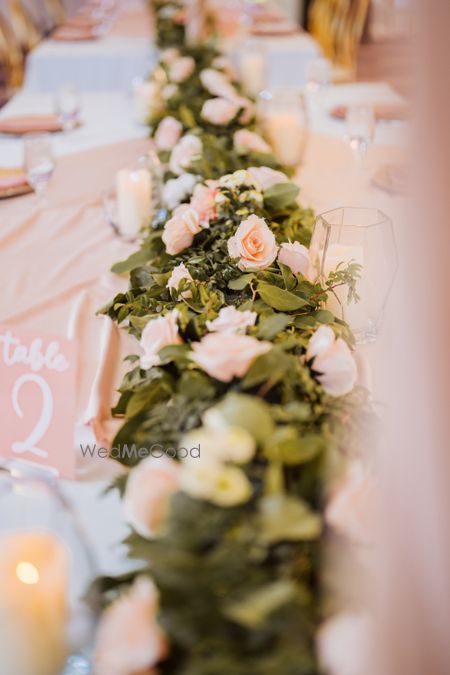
x=159, y=333
x=168, y=133
x=176, y=190
x=224, y=64
x=203, y=201
x=215, y=482
x=264, y=177
x=147, y=495
x=129, y=639
x=179, y=231
x=225, y=356
x=247, y=141
x=333, y=362
x=181, y=69
x=248, y=107
x=295, y=256
x=179, y=273
x=188, y=148
x=231, y=320
x=170, y=55
x=232, y=444
x=217, y=83
x=254, y=244
x=219, y=111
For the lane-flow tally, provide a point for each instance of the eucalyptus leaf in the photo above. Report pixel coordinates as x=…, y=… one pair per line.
x=280, y=299
x=281, y=195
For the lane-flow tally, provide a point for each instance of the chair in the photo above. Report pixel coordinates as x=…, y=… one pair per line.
x=11, y=60
x=23, y=28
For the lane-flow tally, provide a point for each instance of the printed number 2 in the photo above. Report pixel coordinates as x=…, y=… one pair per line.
x=31, y=442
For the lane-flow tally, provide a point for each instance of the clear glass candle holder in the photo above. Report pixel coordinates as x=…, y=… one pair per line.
x=285, y=121
x=364, y=236
x=131, y=204
x=252, y=66
x=46, y=568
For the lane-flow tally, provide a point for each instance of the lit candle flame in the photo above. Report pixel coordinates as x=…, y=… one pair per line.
x=27, y=573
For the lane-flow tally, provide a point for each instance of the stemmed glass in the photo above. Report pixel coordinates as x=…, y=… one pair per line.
x=39, y=163
x=360, y=129
x=68, y=106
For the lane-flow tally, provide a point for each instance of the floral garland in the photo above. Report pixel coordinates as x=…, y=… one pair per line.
x=244, y=377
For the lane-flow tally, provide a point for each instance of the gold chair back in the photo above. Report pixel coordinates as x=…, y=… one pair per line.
x=55, y=9
x=23, y=28
x=11, y=59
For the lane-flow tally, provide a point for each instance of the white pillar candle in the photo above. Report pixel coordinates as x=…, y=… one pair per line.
x=252, y=67
x=33, y=580
x=352, y=313
x=134, y=194
x=288, y=136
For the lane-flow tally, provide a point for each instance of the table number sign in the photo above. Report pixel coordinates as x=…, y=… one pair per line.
x=37, y=399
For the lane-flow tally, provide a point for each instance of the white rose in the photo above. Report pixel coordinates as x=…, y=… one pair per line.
x=253, y=243
x=186, y=150
x=219, y=111
x=215, y=482
x=168, y=133
x=225, y=356
x=217, y=83
x=264, y=177
x=333, y=362
x=176, y=190
x=231, y=320
x=181, y=69
x=295, y=256
x=232, y=444
x=247, y=141
x=159, y=333
x=179, y=273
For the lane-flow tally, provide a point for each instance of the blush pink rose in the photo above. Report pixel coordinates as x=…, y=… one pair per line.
x=225, y=356
x=333, y=362
x=181, y=69
x=147, y=494
x=129, y=640
x=351, y=509
x=219, y=111
x=248, y=141
x=217, y=83
x=248, y=109
x=254, y=244
x=179, y=231
x=295, y=256
x=231, y=320
x=224, y=64
x=170, y=55
x=185, y=151
x=179, y=273
x=203, y=201
x=168, y=133
x=264, y=177
x=159, y=333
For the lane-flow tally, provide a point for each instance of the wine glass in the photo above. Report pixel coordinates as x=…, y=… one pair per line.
x=39, y=162
x=68, y=106
x=360, y=129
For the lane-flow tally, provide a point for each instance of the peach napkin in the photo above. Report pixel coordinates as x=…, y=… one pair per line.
x=383, y=112
x=12, y=180
x=67, y=33
x=27, y=124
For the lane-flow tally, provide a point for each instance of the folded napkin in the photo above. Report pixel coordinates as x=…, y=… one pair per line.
x=28, y=124
x=274, y=28
x=67, y=33
x=391, y=178
x=13, y=182
x=383, y=112
x=81, y=22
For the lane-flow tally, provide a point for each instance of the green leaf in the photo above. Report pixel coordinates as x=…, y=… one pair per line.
x=241, y=282
x=284, y=518
x=323, y=316
x=268, y=367
x=280, y=196
x=174, y=353
x=280, y=299
x=247, y=412
x=258, y=605
x=286, y=445
x=270, y=326
x=134, y=260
